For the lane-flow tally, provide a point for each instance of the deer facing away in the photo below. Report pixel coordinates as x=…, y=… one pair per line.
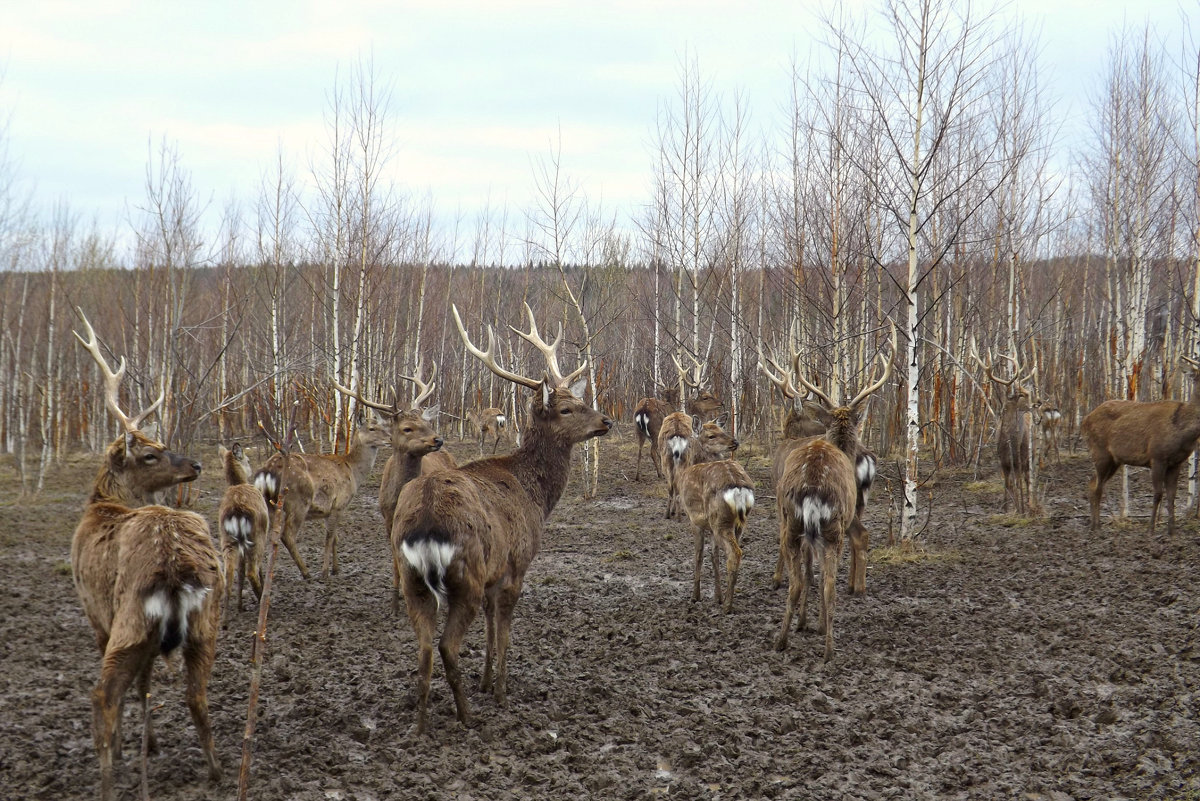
x=242, y=521
x=817, y=501
x=464, y=538
x=649, y=413
x=149, y=578
x=1159, y=435
x=717, y=496
x=1014, y=434
x=489, y=422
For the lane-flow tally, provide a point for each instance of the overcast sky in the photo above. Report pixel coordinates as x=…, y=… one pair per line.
x=479, y=88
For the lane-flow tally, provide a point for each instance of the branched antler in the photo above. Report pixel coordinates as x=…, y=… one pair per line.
x=112, y=380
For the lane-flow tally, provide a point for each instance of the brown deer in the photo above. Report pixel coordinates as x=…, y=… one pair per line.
x=717, y=495
x=149, y=578
x=1049, y=416
x=800, y=426
x=649, y=413
x=490, y=421
x=242, y=521
x=679, y=430
x=465, y=537
x=817, y=502
x=1159, y=435
x=321, y=485
x=1013, y=433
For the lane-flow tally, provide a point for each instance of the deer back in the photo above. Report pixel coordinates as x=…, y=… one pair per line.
x=714, y=493
x=652, y=411
x=1137, y=433
x=820, y=468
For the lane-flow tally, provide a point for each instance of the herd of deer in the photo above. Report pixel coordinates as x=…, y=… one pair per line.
x=151, y=580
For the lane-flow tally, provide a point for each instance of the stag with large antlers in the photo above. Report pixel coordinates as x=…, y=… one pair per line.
x=1159, y=435
x=149, y=578
x=1014, y=432
x=464, y=538
x=799, y=427
x=817, y=501
x=649, y=414
x=319, y=487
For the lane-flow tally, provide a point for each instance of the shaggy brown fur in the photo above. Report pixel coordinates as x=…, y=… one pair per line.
x=150, y=580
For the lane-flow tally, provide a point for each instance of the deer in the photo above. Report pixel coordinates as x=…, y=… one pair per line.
x=242, y=521
x=817, y=502
x=320, y=487
x=800, y=426
x=1159, y=435
x=1013, y=432
x=650, y=412
x=1048, y=417
x=717, y=495
x=465, y=537
x=148, y=577
x=489, y=421
x=675, y=437
x=416, y=450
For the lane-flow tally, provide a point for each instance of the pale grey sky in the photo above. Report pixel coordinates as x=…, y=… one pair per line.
x=479, y=88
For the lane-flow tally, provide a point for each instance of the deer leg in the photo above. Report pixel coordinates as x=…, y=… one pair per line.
x=329, y=562
x=254, y=568
x=506, y=602
x=396, y=568
x=290, y=526
x=698, y=563
x=461, y=612
x=1171, y=487
x=733, y=563
x=422, y=613
x=198, y=655
x=859, y=544
x=1158, y=472
x=489, y=647
x=713, y=538
x=638, y=473
x=1104, y=471
x=143, y=688
x=777, y=577
x=830, y=554
x=118, y=670
x=796, y=587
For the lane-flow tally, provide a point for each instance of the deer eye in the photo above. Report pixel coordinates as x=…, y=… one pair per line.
x=565, y=410
x=150, y=458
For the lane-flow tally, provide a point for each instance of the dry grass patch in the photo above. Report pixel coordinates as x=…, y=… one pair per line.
x=910, y=554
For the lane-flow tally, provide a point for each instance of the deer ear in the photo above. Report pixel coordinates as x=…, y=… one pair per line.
x=723, y=420
x=579, y=387
x=430, y=414
x=130, y=441
x=547, y=392
x=819, y=413
x=237, y=450
x=151, y=431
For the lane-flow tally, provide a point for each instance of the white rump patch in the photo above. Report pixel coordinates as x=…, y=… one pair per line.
x=739, y=499
x=678, y=446
x=428, y=557
x=162, y=607
x=814, y=512
x=265, y=483
x=501, y=420
x=866, y=472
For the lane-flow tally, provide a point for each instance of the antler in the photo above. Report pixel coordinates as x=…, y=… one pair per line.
x=267, y=425
x=549, y=351
x=783, y=380
x=393, y=409
x=424, y=389
x=1019, y=376
x=866, y=391
x=684, y=380
x=112, y=380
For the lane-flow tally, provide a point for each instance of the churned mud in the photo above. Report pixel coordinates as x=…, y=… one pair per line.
x=1017, y=659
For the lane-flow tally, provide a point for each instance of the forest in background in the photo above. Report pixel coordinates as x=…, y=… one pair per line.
x=917, y=180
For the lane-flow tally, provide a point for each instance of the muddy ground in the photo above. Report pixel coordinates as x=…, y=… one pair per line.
x=1015, y=660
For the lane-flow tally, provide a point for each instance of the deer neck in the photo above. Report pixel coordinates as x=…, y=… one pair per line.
x=361, y=459
x=409, y=464
x=234, y=474
x=542, y=465
x=844, y=435
x=110, y=487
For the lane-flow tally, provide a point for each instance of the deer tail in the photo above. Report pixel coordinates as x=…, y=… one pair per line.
x=430, y=552
x=813, y=511
x=169, y=609
x=268, y=481
x=238, y=525
x=642, y=420
x=740, y=501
